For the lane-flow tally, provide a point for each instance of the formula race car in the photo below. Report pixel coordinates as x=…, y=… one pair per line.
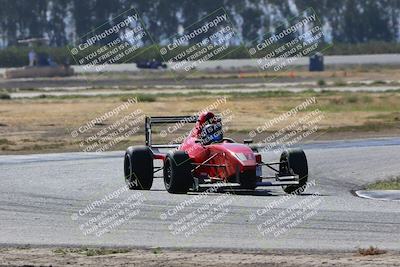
x=206, y=158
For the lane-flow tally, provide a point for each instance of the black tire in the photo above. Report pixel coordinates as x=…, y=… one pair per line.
x=138, y=168
x=296, y=164
x=178, y=172
x=248, y=180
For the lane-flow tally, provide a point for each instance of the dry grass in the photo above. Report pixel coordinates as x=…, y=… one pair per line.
x=370, y=251
x=91, y=251
x=390, y=184
x=46, y=124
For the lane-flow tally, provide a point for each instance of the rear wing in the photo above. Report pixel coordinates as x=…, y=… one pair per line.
x=149, y=121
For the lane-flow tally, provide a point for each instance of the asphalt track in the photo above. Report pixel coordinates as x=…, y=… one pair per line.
x=41, y=197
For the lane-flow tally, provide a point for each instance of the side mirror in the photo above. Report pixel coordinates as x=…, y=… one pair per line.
x=248, y=141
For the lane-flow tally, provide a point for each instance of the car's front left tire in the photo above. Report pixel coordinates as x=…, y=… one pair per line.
x=138, y=168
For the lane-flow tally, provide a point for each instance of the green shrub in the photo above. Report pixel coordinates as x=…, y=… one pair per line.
x=352, y=99
x=147, y=98
x=4, y=141
x=141, y=98
x=5, y=96
x=378, y=82
x=321, y=82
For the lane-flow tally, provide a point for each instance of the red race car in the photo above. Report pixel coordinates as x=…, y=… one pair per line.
x=206, y=158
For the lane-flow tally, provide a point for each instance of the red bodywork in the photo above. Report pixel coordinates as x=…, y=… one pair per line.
x=222, y=161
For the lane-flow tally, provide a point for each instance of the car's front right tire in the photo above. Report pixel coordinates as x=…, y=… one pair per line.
x=295, y=162
x=178, y=172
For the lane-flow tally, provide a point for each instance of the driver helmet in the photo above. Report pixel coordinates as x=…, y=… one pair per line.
x=212, y=133
x=206, y=118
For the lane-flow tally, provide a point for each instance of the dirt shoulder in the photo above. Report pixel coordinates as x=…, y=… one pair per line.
x=193, y=257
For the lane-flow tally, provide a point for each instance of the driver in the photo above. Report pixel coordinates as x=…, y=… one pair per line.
x=208, y=128
x=212, y=133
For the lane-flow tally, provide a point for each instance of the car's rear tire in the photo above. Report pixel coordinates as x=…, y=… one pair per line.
x=178, y=172
x=138, y=168
x=296, y=164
